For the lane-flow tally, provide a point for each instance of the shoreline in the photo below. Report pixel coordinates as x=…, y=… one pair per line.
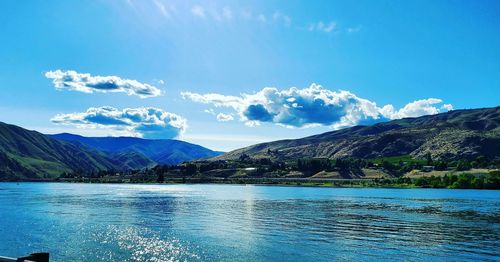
x=320, y=183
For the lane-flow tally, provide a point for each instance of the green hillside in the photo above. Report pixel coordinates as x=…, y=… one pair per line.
x=28, y=154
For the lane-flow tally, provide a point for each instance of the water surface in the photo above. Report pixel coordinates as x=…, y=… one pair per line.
x=125, y=222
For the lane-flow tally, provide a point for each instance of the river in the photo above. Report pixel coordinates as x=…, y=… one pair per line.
x=133, y=222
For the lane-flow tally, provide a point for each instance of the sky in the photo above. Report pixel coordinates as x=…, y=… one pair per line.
x=228, y=74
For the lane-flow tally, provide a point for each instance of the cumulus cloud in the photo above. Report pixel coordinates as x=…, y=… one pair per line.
x=87, y=83
x=221, y=117
x=313, y=106
x=146, y=122
x=416, y=108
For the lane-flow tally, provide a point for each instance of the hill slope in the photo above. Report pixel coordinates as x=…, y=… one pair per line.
x=166, y=151
x=452, y=135
x=28, y=154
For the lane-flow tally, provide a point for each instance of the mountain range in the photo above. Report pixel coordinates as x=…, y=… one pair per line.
x=26, y=154
x=161, y=151
x=458, y=134
x=453, y=135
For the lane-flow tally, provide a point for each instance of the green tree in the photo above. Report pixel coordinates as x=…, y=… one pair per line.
x=463, y=165
x=463, y=181
x=428, y=159
x=190, y=169
x=161, y=178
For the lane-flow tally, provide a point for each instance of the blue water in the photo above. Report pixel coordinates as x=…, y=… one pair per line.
x=112, y=222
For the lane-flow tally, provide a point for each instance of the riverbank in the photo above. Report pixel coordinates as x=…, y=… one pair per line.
x=461, y=181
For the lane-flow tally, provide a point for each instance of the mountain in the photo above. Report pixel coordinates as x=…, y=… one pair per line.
x=163, y=151
x=459, y=134
x=452, y=135
x=28, y=154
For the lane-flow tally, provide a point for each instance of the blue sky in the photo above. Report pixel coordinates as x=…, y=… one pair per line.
x=204, y=65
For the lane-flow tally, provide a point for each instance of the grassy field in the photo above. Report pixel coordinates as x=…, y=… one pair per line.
x=395, y=160
x=49, y=168
x=419, y=173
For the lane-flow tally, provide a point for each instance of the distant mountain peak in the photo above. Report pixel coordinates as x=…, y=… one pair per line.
x=163, y=151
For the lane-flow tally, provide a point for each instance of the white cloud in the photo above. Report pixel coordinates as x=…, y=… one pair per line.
x=330, y=27
x=447, y=107
x=198, y=11
x=323, y=27
x=416, y=108
x=227, y=13
x=87, y=83
x=221, y=117
x=147, y=122
x=312, y=106
x=216, y=14
x=165, y=10
x=252, y=123
x=216, y=99
x=278, y=16
x=354, y=29
x=209, y=111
